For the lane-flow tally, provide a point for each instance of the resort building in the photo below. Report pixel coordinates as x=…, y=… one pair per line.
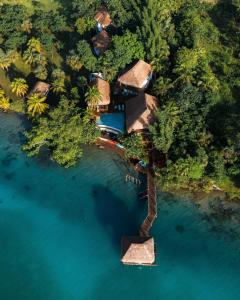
x=104, y=88
x=140, y=112
x=136, y=78
x=101, y=42
x=103, y=19
x=138, y=250
x=41, y=88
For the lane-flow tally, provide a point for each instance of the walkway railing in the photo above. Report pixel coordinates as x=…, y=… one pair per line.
x=152, y=204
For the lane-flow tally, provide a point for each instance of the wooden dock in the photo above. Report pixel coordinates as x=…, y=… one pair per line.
x=152, y=204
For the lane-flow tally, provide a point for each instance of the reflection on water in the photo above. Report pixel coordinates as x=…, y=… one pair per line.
x=60, y=233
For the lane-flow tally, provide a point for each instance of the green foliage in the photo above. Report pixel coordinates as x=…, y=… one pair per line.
x=93, y=97
x=84, y=24
x=121, y=12
x=11, y=20
x=124, y=50
x=63, y=131
x=167, y=118
x=183, y=172
x=58, y=81
x=82, y=8
x=82, y=56
x=156, y=29
x=134, y=147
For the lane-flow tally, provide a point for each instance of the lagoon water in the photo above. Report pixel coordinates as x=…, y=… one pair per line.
x=60, y=233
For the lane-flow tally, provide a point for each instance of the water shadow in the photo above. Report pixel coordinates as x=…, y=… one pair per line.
x=114, y=215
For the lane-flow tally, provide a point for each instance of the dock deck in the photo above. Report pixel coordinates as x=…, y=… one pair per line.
x=152, y=204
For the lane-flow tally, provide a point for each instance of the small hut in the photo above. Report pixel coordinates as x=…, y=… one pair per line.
x=138, y=250
x=137, y=77
x=140, y=112
x=101, y=42
x=104, y=88
x=41, y=88
x=103, y=19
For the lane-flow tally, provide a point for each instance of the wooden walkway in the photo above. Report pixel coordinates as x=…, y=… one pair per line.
x=152, y=204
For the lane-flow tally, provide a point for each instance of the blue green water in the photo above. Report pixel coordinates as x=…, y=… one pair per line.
x=60, y=234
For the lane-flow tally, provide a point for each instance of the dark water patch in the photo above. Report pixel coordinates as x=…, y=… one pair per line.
x=113, y=215
x=8, y=159
x=27, y=188
x=44, y=159
x=27, y=164
x=74, y=177
x=72, y=212
x=9, y=176
x=180, y=228
x=14, y=138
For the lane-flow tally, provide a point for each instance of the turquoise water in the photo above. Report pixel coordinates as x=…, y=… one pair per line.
x=113, y=120
x=60, y=234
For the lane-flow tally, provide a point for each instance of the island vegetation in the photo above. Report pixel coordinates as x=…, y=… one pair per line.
x=193, y=47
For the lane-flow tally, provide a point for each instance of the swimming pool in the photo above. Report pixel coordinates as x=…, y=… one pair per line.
x=112, y=121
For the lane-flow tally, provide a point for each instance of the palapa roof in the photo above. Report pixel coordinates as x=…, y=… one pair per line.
x=140, y=112
x=103, y=17
x=138, y=250
x=41, y=88
x=104, y=89
x=137, y=75
x=101, y=41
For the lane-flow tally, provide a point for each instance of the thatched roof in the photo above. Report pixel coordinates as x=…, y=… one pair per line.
x=137, y=75
x=101, y=41
x=104, y=89
x=140, y=112
x=41, y=88
x=103, y=17
x=138, y=250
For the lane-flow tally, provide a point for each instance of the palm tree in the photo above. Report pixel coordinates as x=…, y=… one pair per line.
x=58, y=86
x=74, y=62
x=19, y=87
x=34, y=45
x=36, y=104
x=4, y=101
x=26, y=26
x=5, y=63
x=6, y=59
x=93, y=97
x=29, y=57
x=58, y=74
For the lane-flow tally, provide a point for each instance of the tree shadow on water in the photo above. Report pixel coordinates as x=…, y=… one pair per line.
x=114, y=215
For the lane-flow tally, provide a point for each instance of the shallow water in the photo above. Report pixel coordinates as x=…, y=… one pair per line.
x=60, y=233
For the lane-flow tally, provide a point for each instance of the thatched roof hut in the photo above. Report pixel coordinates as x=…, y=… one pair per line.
x=104, y=89
x=140, y=112
x=41, y=88
x=103, y=17
x=138, y=250
x=101, y=42
x=137, y=76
